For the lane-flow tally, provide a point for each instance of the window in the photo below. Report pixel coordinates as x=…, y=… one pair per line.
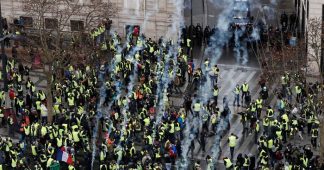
x=51, y=23
x=26, y=21
x=132, y=4
x=4, y=23
x=77, y=25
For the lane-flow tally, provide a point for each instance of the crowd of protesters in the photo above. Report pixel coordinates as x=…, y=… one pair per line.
x=119, y=115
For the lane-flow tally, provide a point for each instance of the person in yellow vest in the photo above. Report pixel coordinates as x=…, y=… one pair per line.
x=2, y=118
x=102, y=154
x=71, y=101
x=270, y=112
x=27, y=132
x=305, y=161
x=2, y=97
x=76, y=137
x=246, y=163
x=171, y=129
x=210, y=163
x=215, y=94
x=257, y=130
x=298, y=91
x=43, y=160
x=149, y=140
x=259, y=106
x=236, y=95
x=310, y=121
x=197, y=108
x=103, y=167
x=228, y=163
x=34, y=150
x=232, y=139
x=147, y=121
x=314, y=135
x=71, y=167
x=104, y=46
x=44, y=113
x=177, y=130
x=214, y=74
x=213, y=120
x=278, y=133
x=49, y=162
x=244, y=89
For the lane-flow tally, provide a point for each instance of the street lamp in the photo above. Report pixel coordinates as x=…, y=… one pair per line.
x=3, y=56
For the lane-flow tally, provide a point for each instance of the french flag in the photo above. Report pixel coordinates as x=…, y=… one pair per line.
x=61, y=155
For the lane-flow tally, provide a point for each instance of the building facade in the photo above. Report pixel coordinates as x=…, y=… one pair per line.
x=154, y=17
x=306, y=10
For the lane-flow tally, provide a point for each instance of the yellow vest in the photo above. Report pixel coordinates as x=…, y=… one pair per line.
x=213, y=119
x=38, y=103
x=43, y=131
x=237, y=90
x=147, y=121
x=150, y=140
x=102, y=155
x=278, y=133
x=71, y=101
x=42, y=96
x=259, y=103
x=56, y=109
x=33, y=148
x=232, y=141
x=75, y=135
x=188, y=42
x=177, y=128
x=257, y=127
x=13, y=163
x=245, y=87
x=270, y=143
x=171, y=128
x=49, y=162
x=215, y=92
x=197, y=107
x=71, y=167
x=228, y=163
x=298, y=90
x=59, y=142
x=27, y=130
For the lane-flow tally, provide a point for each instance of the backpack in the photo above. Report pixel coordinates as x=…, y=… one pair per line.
x=279, y=155
x=12, y=94
x=173, y=152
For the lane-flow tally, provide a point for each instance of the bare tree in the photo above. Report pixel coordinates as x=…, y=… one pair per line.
x=52, y=21
x=314, y=38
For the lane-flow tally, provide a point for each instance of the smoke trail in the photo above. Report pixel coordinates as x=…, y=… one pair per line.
x=221, y=38
x=125, y=112
x=170, y=57
x=132, y=82
x=221, y=128
x=102, y=96
x=100, y=110
x=274, y=2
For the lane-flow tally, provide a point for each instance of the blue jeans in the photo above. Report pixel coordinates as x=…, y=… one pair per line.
x=236, y=99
